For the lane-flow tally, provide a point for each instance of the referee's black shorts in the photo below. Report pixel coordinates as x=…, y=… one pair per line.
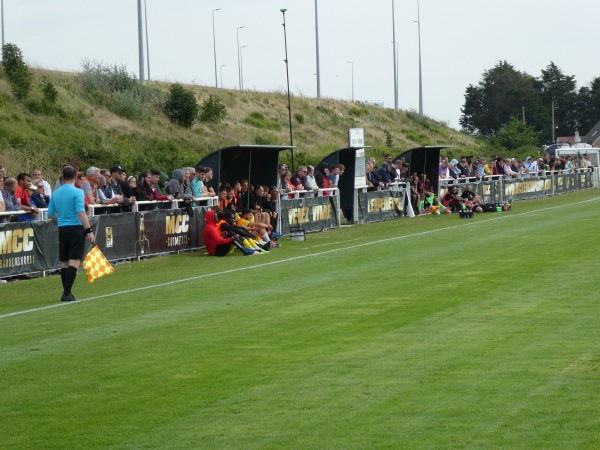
x=71, y=242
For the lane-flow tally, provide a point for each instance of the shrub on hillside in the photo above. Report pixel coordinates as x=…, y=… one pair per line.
x=258, y=120
x=127, y=104
x=181, y=106
x=106, y=78
x=16, y=71
x=212, y=110
x=299, y=118
x=48, y=91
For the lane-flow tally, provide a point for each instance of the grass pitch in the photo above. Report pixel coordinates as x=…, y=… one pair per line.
x=430, y=332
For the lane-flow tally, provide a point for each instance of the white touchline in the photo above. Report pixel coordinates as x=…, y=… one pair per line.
x=295, y=258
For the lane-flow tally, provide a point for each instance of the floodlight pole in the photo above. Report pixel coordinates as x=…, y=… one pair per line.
x=2, y=23
x=141, y=41
x=283, y=10
x=242, y=65
x=395, y=64
x=221, y=70
x=317, y=41
x=215, y=44
x=239, y=62
x=147, y=41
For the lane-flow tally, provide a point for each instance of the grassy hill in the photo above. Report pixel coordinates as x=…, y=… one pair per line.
x=89, y=127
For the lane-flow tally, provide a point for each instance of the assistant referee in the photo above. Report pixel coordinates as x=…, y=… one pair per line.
x=67, y=203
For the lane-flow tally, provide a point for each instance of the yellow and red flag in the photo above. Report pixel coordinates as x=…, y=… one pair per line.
x=96, y=265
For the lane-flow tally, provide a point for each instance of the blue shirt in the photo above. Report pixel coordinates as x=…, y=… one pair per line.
x=67, y=201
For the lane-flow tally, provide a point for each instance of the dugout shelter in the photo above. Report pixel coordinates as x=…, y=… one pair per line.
x=256, y=163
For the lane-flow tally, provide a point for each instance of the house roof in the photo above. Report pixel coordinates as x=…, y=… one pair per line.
x=593, y=135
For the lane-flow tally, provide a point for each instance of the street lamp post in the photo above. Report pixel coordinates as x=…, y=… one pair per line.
x=215, y=44
x=242, y=65
x=2, y=23
x=395, y=64
x=147, y=41
x=287, y=71
x=352, y=64
x=317, y=41
x=141, y=41
x=420, y=72
x=239, y=62
x=221, y=71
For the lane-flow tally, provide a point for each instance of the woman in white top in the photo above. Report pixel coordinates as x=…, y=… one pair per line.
x=310, y=184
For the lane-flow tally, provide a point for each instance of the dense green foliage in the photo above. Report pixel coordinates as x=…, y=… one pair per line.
x=317, y=345
x=516, y=134
x=213, y=110
x=16, y=71
x=505, y=92
x=181, y=106
x=258, y=120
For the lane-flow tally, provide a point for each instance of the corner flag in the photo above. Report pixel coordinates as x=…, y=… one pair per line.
x=96, y=265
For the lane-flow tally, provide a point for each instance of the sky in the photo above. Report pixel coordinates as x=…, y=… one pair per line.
x=460, y=39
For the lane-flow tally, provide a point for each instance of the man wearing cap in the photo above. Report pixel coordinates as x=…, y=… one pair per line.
x=67, y=204
x=117, y=191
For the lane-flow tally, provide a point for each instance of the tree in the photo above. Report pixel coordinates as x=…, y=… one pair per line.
x=502, y=94
x=181, y=106
x=516, y=134
x=16, y=71
x=561, y=89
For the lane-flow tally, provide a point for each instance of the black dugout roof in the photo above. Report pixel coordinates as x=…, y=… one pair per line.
x=256, y=163
x=347, y=157
x=425, y=160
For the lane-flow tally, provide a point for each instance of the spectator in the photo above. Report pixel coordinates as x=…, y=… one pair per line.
x=463, y=168
x=135, y=189
x=38, y=196
x=151, y=186
x=289, y=187
x=22, y=196
x=298, y=179
x=322, y=177
x=507, y=169
x=384, y=173
x=37, y=175
x=282, y=170
x=444, y=171
x=310, y=183
x=118, y=191
x=8, y=188
x=90, y=185
x=2, y=204
x=477, y=170
x=197, y=183
x=453, y=170
x=79, y=180
x=490, y=168
x=373, y=179
x=2, y=172
x=336, y=172
x=208, y=190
